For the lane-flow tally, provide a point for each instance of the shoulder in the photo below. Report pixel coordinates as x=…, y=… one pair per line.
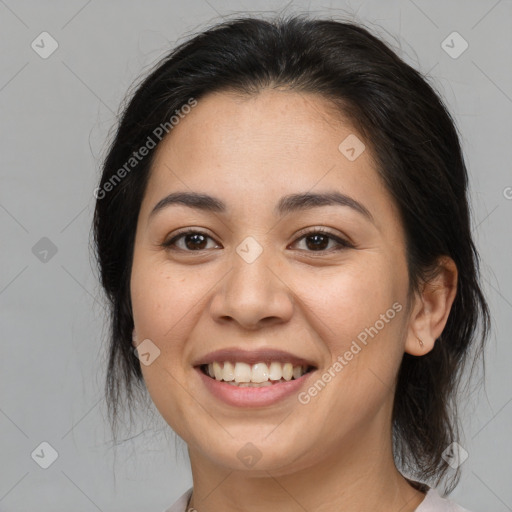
x=181, y=504
x=433, y=502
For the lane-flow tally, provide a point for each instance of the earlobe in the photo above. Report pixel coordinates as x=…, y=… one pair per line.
x=432, y=308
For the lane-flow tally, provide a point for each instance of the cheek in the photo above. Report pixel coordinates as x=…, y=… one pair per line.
x=164, y=300
x=359, y=314
x=164, y=304
x=351, y=298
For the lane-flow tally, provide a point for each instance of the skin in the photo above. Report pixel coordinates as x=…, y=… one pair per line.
x=333, y=453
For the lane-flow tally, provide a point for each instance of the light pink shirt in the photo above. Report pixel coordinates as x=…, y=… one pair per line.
x=431, y=503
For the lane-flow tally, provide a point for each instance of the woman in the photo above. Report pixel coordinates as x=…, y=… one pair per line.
x=282, y=231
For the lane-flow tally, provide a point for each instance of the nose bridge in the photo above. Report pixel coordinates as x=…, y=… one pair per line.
x=252, y=291
x=251, y=275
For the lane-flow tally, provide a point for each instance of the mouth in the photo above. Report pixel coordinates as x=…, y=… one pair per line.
x=261, y=374
x=258, y=378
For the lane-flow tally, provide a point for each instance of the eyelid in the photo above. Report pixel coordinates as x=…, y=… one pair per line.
x=342, y=240
x=191, y=230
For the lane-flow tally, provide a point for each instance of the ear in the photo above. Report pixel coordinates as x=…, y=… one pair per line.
x=134, y=338
x=431, y=308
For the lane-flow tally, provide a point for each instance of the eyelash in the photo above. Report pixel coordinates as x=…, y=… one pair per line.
x=342, y=244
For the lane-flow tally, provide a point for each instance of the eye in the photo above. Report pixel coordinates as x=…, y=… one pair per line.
x=319, y=239
x=189, y=241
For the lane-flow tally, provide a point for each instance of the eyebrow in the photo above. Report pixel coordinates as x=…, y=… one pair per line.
x=287, y=204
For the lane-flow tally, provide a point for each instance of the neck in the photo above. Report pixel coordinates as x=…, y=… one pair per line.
x=357, y=474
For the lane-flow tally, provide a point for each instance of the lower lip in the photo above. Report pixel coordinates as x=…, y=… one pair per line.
x=252, y=397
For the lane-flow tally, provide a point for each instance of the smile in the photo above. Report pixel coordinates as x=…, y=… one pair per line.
x=245, y=393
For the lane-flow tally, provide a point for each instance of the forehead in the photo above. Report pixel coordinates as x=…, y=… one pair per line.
x=257, y=148
x=274, y=125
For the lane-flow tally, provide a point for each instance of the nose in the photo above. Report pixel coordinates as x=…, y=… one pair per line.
x=253, y=295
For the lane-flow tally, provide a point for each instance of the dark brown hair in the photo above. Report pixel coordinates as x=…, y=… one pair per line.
x=414, y=141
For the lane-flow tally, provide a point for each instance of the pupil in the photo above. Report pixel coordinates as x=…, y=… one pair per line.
x=196, y=240
x=319, y=241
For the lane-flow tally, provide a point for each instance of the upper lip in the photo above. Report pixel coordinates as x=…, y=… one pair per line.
x=262, y=355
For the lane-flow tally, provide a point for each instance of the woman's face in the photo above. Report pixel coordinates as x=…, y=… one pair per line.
x=260, y=283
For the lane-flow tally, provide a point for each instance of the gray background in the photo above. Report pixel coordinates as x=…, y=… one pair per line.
x=56, y=114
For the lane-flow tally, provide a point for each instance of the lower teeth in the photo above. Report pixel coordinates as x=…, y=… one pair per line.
x=250, y=384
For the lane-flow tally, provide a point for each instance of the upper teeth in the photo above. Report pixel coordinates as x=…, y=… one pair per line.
x=259, y=372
